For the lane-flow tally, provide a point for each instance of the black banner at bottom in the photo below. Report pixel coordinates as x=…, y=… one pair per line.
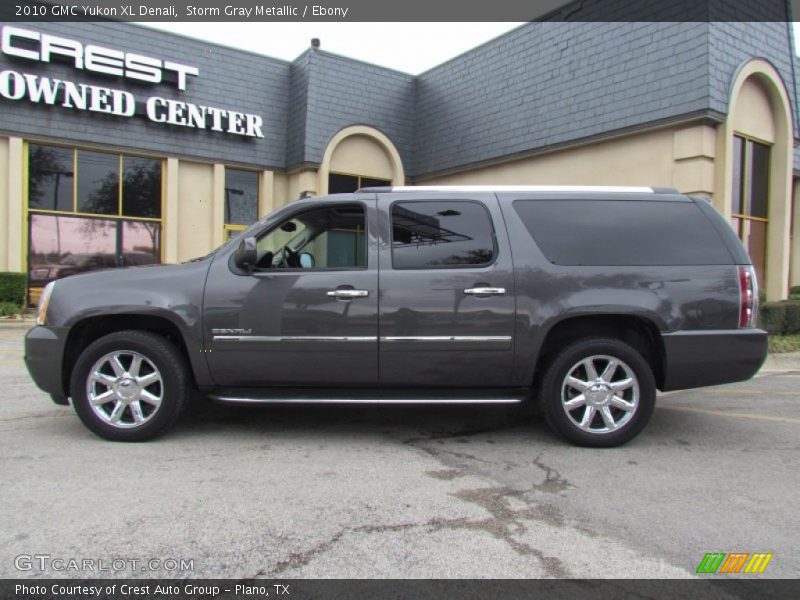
x=744, y=588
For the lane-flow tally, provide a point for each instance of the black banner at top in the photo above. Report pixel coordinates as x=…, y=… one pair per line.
x=399, y=10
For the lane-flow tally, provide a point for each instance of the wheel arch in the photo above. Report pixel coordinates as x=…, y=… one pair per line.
x=640, y=331
x=88, y=329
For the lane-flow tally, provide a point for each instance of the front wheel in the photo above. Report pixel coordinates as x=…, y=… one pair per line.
x=130, y=386
x=598, y=392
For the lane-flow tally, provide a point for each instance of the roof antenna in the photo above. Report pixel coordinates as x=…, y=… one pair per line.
x=315, y=43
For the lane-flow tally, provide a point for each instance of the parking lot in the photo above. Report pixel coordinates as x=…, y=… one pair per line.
x=411, y=492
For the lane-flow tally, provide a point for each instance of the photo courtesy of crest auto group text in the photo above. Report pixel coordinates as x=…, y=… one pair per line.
x=399, y=301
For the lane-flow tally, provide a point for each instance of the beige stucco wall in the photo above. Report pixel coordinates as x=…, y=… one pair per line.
x=280, y=190
x=195, y=214
x=15, y=257
x=299, y=182
x=360, y=150
x=194, y=217
x=753, y=115
x=679, y=156
x=3, y=203
x=361, y=155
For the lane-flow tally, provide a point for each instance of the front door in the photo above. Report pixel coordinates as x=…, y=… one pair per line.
x=308, y=314
x=447, y=291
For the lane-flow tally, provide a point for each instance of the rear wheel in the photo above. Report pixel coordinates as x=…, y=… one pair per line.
x=598, y=392
x=130, y=386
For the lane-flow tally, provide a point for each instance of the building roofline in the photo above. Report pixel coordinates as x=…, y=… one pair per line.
x=362, y=62
x=704, y=115
x=474, y=48
x=185, y=36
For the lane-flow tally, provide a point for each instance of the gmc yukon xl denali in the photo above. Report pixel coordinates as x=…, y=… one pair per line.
x=580, y=301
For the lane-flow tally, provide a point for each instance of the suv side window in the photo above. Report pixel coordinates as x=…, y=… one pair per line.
x=326, y=237
x=622, y=232
x=444, y=234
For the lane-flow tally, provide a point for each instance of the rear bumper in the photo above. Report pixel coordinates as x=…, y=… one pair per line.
x=699, y=358
x=44, y=354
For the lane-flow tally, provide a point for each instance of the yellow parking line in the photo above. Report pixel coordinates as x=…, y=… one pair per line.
x=735, y=415
x=16, y=361
x=742, y=391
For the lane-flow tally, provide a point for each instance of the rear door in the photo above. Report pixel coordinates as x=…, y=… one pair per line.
x=446, y=310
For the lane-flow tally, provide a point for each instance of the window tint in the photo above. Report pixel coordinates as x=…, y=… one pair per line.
x=622, y=232
x=50, y=178
x=430, y=235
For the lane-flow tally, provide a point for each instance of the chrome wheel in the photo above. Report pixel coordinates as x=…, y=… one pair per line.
x=124, y=389
x=600, y=394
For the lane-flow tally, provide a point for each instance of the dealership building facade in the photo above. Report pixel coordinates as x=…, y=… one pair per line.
x=123, y=145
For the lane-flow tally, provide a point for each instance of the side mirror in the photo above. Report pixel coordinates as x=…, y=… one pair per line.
x=246, y=255
x=307, y=260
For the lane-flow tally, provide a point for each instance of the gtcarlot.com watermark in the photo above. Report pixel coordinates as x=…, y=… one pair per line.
x=118, y=564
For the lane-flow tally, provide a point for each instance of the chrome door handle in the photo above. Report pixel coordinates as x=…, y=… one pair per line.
x=485, y=291
x=348, y=294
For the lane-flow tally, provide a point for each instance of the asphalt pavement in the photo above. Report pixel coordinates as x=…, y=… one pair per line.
x=399, y=492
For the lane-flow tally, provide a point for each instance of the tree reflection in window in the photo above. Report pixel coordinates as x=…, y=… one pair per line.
x=98, y=183
x=50, y=178
x=141, y=187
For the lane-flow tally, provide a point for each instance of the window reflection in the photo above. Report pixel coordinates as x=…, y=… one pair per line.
x=98, y=183
x=140, y=243
x=63, y=246
x=50, y=178
x=429, y=235
x=141, y=187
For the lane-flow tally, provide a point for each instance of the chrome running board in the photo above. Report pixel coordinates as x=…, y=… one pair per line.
x=277, y=401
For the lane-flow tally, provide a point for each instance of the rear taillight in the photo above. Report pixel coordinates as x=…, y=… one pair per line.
x=748, y=296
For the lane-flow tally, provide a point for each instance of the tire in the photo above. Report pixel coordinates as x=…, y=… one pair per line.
x=623, y=397
x=143, y=378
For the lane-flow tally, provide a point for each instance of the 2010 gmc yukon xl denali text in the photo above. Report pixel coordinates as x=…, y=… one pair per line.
x=581, y=300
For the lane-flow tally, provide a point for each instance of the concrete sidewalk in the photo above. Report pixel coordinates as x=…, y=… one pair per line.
x=779, y=363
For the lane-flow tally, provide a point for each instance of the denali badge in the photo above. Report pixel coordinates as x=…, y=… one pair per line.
x=231, y=331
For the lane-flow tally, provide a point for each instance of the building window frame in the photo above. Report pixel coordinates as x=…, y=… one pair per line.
x=120, y=154
x=741, y=222
x=359, y=178
x=230, y=230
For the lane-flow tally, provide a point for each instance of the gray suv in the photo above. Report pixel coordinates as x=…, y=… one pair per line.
x=580, y=301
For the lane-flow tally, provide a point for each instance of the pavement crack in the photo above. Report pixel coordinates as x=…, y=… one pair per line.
x=504, y=522
x=553, y=481
x=507, y=521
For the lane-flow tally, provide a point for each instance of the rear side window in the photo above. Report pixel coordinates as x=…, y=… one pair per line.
x=436, y=235
x=622, y=232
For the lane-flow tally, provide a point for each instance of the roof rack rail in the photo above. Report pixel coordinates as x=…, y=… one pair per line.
x=522, y=188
